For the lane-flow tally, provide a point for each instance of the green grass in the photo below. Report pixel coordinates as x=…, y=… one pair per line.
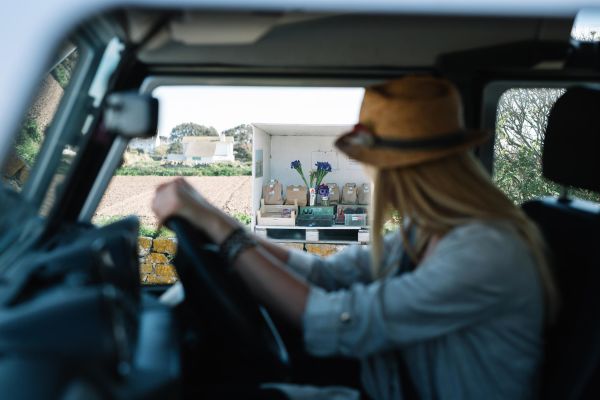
x=153, y=168
x=154, y=233
x=28, y=150
x=28, y=142
x=145, y=230
x=243, y=218
x=163, y=232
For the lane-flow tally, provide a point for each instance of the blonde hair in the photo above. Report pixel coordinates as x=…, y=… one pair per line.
x=440, y=195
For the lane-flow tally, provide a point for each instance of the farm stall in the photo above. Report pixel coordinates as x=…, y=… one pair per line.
x=275, y=147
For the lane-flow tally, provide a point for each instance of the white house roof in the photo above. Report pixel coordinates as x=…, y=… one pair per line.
x=203, y=146
x=200, y=149
x=302, y=129
x=205, y=139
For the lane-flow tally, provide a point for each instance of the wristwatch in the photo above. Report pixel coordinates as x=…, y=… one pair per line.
x=237, y=241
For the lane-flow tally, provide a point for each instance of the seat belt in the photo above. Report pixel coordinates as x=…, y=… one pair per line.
x=409, y=391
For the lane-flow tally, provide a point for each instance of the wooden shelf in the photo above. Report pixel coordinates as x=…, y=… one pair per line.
x=310, y=227
x=317, y=242
x=339, y=234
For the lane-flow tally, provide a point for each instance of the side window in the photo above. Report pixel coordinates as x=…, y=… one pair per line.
x=522, y=116
x=29, y=140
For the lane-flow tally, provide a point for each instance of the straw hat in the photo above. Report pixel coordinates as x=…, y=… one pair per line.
x=409, y=121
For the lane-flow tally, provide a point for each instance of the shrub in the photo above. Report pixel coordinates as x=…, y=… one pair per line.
x=156, y=233
x=144, y=230
x=243, y=218
x=28, y=142
x=155, y=169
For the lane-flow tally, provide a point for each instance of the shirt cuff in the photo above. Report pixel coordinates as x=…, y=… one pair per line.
x=300, y=262
x=326, y=317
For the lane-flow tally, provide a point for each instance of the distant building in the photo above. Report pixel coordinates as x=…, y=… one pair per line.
x=206, y=149
x=148, y=145
x=175, y=158
x=163, y=140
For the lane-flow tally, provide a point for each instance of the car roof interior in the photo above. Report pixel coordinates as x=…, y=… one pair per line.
x=338, y=40
x=177, y=41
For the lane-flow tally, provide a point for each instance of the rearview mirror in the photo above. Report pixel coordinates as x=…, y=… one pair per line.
x=131, y=115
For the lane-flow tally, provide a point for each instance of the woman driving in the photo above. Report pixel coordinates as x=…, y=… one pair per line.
x=452, y=304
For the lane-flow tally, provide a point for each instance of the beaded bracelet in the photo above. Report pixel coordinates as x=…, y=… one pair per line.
x=237, y=241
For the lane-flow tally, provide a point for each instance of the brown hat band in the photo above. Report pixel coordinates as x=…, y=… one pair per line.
x=364, y=137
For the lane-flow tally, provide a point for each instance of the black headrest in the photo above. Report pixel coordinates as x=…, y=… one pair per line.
x=571, y=154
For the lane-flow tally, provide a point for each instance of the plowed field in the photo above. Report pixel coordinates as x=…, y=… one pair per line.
x=129, y=195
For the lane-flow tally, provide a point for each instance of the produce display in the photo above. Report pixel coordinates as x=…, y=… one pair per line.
x=343, y=207
x=296, y=194
x=343, y=211
x=272, y=192
x=334, y=193
x=363, y=194
x=298, y=166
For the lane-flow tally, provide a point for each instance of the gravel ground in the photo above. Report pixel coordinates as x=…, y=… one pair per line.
x=128, y=195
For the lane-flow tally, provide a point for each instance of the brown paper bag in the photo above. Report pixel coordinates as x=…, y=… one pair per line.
x=349, y=193
x=334, y=193
x=272, y=192
x=363, y=193
x=296, y=193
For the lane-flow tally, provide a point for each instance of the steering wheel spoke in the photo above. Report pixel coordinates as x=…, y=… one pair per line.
x=221, y=301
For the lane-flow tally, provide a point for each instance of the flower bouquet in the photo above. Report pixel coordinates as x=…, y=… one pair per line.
x=315, y=176
x=323, y=168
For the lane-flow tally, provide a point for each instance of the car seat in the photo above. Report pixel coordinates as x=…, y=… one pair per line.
x=570, y=157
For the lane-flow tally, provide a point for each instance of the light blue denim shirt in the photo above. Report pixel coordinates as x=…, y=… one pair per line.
x=467, y=322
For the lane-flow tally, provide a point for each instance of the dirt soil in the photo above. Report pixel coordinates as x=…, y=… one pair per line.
x=131, y=195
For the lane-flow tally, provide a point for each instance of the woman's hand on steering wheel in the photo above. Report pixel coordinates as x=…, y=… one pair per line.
x=179, y=198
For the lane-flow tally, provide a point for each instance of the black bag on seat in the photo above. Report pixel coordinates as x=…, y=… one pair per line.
x=68, y=316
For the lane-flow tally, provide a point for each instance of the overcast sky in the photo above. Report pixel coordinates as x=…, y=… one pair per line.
x=225, y=107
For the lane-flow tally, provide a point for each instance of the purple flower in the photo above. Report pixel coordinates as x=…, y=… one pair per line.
x=296, y=164
x=323, y=190
x=323, y=166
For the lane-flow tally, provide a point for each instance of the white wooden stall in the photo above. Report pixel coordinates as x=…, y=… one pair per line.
x=275, y=146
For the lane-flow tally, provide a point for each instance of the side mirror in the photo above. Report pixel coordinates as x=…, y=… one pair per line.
x=131, y=115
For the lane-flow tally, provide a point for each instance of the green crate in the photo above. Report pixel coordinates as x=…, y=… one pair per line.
x=317, y=210
x=314, y=220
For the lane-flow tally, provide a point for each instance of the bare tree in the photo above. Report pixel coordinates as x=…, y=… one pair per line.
x=520, y=127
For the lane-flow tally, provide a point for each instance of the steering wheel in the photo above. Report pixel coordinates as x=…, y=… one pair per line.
x=221, y=299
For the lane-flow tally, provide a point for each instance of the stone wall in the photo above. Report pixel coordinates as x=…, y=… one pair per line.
x=156, y=256
x=319, y=249
x=155, y=260
x=15, y=172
